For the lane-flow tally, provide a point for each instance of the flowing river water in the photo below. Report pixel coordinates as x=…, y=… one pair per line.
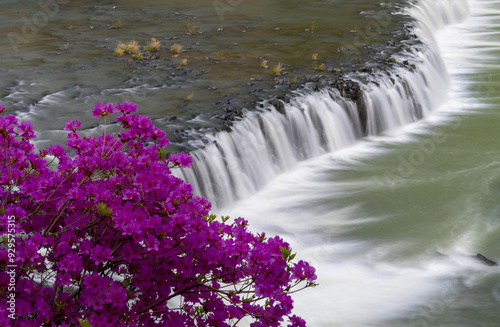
x=392, y=221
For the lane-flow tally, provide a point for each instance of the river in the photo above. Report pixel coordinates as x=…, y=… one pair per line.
x=392, y=220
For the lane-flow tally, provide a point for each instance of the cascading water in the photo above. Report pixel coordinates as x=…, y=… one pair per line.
x=401, y=252
x=234, y=165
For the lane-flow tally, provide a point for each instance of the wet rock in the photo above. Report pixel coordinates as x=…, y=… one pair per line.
x=282, y=81
x=485, y=260
x=313, y=78
x=150, y=55
x=348, y=89
x=363, y=117
x=391, y=43
x=280, y=107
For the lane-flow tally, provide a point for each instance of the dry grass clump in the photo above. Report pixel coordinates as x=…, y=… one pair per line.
x=320, y=67
x=263, y=64
x=153, y=45
x=192, y=28
x=131, y=47
x=119, y=52
x=276, y=69
x=184, y=62
x=176, y=48
x=314, y=56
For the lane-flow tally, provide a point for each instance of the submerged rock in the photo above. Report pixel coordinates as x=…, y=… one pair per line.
x=485, y=260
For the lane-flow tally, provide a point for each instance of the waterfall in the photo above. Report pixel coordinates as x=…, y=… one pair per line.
x=236, y=164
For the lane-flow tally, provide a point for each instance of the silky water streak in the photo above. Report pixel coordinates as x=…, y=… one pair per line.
x=236, y=164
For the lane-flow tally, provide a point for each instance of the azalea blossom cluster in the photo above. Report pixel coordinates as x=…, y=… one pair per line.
x=111, y=238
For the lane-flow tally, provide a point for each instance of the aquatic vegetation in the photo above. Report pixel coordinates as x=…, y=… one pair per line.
x=192, y=28
x=176, y=48
x=122, y=48
x=189, y=97
x=184, y=62
x=276, y=69
x=314, y=26
x=263, y=64
x=138, y=56
x=314, y=56
x=153, y=45
x=119, y=51
x=117, y=24
x=111, y=237
x=320, y=67
x=132, y=47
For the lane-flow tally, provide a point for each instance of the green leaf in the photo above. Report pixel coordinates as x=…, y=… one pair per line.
x=104, y=210
x=84, y=323
x=285, y=252
x=210, y=218
x=161, y=153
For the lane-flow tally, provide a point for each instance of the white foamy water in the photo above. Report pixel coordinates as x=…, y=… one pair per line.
x=237, y=164
x=379, y=266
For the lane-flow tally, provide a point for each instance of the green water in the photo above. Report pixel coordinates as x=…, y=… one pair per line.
x=393, y=224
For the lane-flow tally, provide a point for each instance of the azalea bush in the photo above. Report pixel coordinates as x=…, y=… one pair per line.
x=111, y=238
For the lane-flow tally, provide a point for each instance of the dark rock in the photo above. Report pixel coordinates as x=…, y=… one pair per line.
x=278, y=105
x=363, y=117
x=150, y=55
x=284, y=98
x=485, y=260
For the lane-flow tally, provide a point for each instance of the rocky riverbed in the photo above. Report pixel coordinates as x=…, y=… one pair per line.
x=234, y=56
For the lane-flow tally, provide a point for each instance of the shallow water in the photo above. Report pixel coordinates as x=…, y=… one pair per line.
x=56, y=63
